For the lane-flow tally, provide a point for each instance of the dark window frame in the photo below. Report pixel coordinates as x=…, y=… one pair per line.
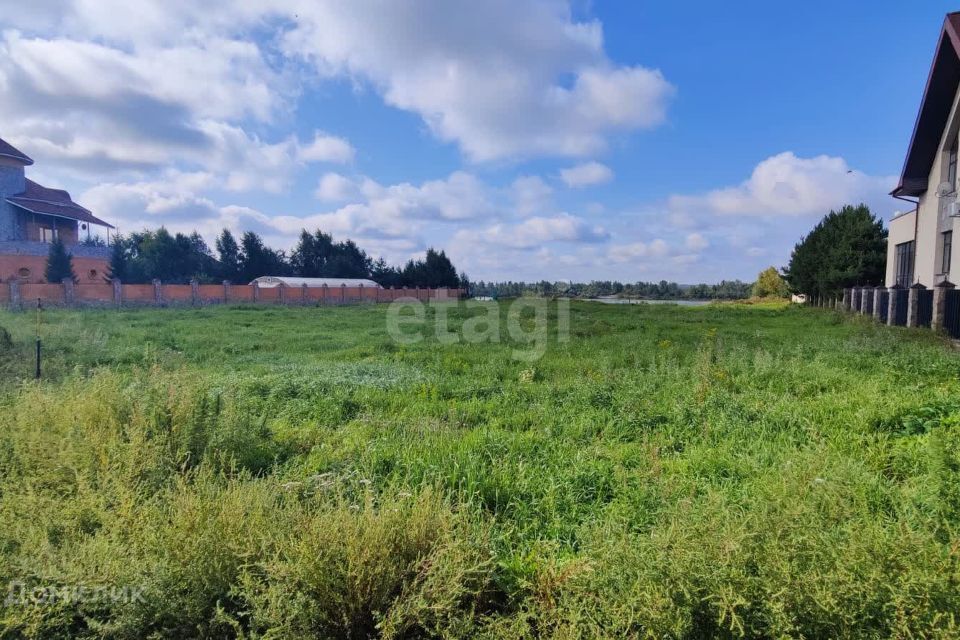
x=952, y=163
x=946, y=247
x=905, y=253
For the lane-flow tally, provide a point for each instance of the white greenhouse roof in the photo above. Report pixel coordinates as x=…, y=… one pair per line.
x=268, y=282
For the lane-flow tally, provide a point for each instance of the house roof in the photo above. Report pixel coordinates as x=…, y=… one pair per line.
x=7, y=150
x=289, y=281
x=53, y=202
x=942, y=83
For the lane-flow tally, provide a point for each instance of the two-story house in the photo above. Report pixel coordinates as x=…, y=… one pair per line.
x=920, y=247
x=32, y=215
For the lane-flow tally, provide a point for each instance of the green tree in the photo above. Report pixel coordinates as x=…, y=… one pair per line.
x=769, y=284
x=229, y=252
x=59, y=263
x=846, y=248
x=257, y=259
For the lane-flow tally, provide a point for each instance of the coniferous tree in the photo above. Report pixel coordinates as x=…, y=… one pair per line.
x=229, y=252
x=59, y=263
x=846, y=248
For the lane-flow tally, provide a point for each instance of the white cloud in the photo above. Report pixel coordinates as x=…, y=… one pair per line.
x=326, y=148
x=531, y=195
x=537, y=231
x=696, y=242
x=634, y=251
x=786, y=185
x=485, y=74
x=334, y=187
x=586, y=175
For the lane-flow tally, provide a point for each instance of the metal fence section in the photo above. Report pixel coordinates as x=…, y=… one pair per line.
x=884, y=302
x=951, y=321
x=924, y=307
x=900, y=308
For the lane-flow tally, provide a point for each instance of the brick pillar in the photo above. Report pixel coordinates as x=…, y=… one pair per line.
x=895, y=292
x=913, y=304
x=940, y=304
x=877, y=292
x=15, y=300
x=303, y=293
x=157, y=292
x=69, y=293
x=226, y=291
x=256, y=290
x=195, y=292
x=282, y=294
x=117, y=291
x=846, y=299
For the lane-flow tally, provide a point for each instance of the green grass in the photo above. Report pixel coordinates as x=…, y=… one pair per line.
x=724, y=471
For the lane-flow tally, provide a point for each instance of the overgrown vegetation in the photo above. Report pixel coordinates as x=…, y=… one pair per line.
x=721, y=471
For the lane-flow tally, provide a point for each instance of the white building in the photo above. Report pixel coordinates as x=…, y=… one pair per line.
x=920, y=246
x=268, y=282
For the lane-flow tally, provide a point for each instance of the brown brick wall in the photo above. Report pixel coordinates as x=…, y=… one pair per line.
x=144, y=294
x=87, y=270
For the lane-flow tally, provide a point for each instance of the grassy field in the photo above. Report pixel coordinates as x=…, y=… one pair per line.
x=723, y=471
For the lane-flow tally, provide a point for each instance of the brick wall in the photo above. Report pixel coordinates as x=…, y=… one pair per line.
x=182, y=294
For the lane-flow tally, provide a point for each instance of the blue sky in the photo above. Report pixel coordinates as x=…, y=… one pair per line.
x=531, y=139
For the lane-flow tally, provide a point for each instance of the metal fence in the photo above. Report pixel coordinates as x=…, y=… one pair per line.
x=951, y=321
x=884, y=301
x=924, y=307
x=900, y=308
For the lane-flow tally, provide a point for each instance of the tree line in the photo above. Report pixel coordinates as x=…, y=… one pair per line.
x=663, y=290
x=143, y=256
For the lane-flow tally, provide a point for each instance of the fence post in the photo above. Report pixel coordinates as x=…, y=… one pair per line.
x=877, y=297
x=195, y=292
x=913, y=304
x=282, y=294
x=117, y=291
x=226, y=291
x=324, y=297
x=866, y=301
x=940, y=304
x=895, y=292
x=303, y=293
x=343, y=292
x=157, y=292
x=15, y=294
x=846, y=300
x=256, y=290
x=361, y=293
x=69, y=293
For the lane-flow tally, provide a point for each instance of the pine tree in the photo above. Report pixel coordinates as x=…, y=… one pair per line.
x=229, y=253
x=847, y=248
x=59, y=263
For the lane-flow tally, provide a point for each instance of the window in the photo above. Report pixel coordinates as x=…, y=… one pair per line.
x=904, y=263
x=47, y=234
x=947, y=248
x=952, y=163
x=23, y=272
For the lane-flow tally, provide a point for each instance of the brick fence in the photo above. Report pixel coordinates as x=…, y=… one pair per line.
x=17, y=295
